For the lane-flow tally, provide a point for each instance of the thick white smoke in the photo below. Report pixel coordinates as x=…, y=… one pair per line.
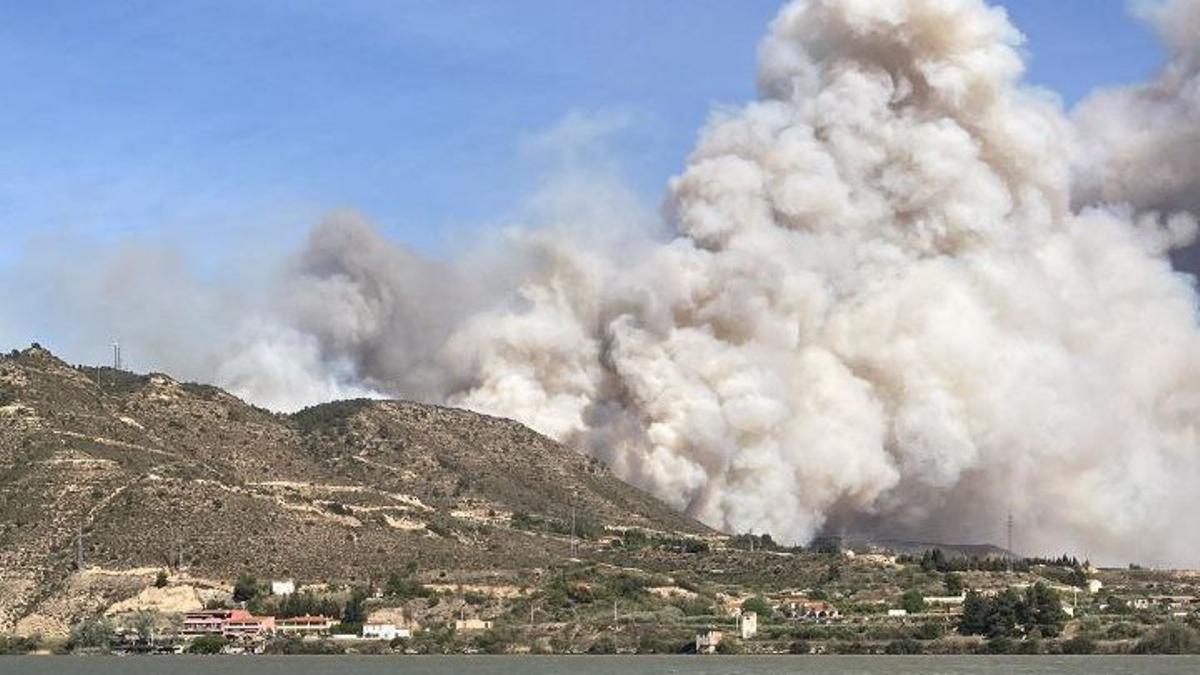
x=904, y=294
x=880, y=309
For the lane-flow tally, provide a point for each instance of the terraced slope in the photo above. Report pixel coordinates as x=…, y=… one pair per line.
x=148, y=473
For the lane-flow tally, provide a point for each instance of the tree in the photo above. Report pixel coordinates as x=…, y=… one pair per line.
x=403, y=587
x=954, y=583
x=912, y=601
x=1010, y=613
x=1042, y=609
x=160, y=581
x=246, y=588
x=207, y=644
x=974, y=620
x=934, y=560
x=355, y=611
x=92, y=634
x=1005, y=614
x=143, y=624
x=758, y=605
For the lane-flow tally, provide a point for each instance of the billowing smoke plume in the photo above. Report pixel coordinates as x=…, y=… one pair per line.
x=1142, y=143
x=881, y=309
x=904, y=294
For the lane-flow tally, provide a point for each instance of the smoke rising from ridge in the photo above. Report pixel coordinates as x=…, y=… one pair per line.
x=902, y=293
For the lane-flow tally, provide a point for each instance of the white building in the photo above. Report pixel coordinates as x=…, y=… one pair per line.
x=283, y=587
x=945, y=600
x=472, y=624
x=1094, y=586
x=897, y=612
x=384, y=631
x=706, y=643
x=748, y=625
x=304, y=625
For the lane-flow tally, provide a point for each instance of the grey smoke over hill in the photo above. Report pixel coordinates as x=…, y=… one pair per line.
x=903, y=293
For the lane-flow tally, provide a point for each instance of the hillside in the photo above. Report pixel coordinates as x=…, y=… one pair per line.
x=149, y=473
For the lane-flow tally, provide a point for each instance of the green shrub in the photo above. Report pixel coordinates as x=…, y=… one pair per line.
x=12, y=644
x=246, y=588
x=401, y=587
x=1170, y=638
x=799, y=647
x=905, y=646
x=913, y=601
x=1123, y=631
x=604, y=645
x=997, y=645
x=759, y=606
x=728, y=646
x=1080, y=644
x=207, y=644
x=92, y=634
x=930, y=630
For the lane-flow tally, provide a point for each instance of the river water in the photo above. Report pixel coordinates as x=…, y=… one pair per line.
x=596, y=665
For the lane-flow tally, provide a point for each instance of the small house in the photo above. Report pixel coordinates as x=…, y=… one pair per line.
x=472, y=625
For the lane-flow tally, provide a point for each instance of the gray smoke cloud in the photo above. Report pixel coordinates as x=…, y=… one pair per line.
x=1140, y=145
x=900, y=292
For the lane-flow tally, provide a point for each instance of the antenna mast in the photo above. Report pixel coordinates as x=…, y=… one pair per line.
x=117, y=355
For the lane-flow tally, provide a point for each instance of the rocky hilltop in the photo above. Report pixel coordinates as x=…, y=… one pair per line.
x=106, y=474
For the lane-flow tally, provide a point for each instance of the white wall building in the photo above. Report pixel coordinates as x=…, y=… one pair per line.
x=283, y=587
x=748, y=625
x=384, y=631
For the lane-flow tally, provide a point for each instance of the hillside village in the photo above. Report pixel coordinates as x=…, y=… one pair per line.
x=632, y=592
x=139, y=514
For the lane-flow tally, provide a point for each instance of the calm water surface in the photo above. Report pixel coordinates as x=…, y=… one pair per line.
x=596, y=665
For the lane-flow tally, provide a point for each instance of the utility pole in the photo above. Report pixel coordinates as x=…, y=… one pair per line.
x=79, y=548
x=573, y=529
x=1011, y=552
x=614, y=611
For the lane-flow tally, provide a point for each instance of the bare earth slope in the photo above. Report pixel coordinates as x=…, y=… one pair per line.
x=155, y=473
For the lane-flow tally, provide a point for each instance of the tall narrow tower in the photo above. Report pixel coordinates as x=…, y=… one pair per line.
x=1011, y=552
x=117, y=355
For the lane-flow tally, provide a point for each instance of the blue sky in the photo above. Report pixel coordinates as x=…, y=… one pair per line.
x=202, y=123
